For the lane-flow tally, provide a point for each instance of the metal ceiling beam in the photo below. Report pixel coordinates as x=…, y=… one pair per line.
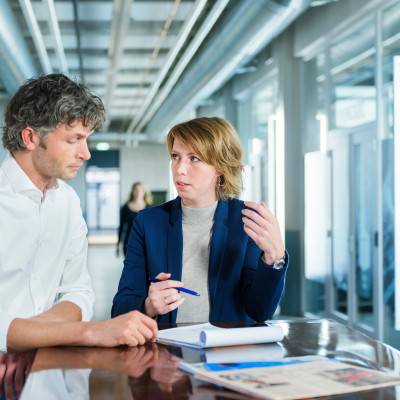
x=78, y=39
x=119, y=27
x=201, y=34
x=238, y=36
x=133, y=139
x=16, y=63
x=183, y=35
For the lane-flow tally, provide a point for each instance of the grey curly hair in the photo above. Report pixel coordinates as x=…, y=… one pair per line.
x=44, y=103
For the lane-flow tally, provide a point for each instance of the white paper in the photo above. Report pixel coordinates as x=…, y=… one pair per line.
x=207, y=335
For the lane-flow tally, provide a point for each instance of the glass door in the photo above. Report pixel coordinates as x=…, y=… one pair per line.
x=354, y=254
x=341, y=265
x=365, y=226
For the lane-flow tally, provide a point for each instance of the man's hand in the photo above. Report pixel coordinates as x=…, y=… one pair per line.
x=61, y=326
x=14, y=369
x=130, y=329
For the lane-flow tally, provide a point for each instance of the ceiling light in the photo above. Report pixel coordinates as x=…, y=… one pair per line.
x=103, y=146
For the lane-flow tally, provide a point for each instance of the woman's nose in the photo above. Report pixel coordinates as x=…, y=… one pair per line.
x=181, y=167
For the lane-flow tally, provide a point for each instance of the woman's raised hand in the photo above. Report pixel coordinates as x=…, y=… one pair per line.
x=261, y=225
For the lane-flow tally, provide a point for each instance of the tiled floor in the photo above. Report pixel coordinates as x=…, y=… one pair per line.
x=105, y=269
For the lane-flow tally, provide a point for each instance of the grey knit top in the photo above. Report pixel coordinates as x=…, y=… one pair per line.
x=197, y=226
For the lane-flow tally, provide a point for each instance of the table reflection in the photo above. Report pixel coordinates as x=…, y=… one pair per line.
x=57, y=384
x=151, y=372
x=14, y=370
x=63, y=373
x=331, y=339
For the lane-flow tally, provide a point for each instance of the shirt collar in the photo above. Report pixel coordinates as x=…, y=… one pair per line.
x=21, y=183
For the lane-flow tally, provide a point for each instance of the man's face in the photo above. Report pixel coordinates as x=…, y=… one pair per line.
x=62, y=152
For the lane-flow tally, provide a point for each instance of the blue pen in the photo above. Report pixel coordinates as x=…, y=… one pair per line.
x=154, y=280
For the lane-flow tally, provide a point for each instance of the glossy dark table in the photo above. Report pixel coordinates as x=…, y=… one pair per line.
x=151, y=371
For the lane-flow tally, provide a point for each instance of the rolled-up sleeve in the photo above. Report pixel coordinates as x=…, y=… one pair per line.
x=5, y=321
x=75, y=284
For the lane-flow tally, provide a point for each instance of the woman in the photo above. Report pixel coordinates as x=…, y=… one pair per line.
x=229, y=251
x=139, y=198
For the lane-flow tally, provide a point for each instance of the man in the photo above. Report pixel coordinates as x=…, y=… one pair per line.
x=45, y=288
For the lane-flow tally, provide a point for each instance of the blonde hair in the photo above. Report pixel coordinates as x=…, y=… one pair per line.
x=216, y=141
x=148, y=197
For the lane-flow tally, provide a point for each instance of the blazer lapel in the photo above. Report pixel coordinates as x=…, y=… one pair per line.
x=175, y=241
x=218, y=245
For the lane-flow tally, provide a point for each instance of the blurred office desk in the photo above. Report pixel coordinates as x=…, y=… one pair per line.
x=151, y=371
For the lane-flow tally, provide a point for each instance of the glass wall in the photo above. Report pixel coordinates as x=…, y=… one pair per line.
x=264, y=108
x=256, y=113
x=390, y=48
x=357, y=138
x=360, y=133
x=353, y=112
x=352, y=57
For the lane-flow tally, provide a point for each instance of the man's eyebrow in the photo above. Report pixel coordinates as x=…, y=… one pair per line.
x=82, y=135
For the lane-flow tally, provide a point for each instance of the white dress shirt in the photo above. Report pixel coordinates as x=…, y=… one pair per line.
x=43, y=248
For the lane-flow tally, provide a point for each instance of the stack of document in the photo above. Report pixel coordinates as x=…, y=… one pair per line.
x=206, y=335
x=243, y=353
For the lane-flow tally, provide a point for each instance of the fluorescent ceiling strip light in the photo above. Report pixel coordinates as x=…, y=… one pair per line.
x=37, y=37
x=57, y=35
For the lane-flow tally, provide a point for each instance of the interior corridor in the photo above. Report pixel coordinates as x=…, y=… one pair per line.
x=105, y=269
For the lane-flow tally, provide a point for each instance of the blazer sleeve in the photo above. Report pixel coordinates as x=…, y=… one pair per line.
x=133, y=284
x=262, y=285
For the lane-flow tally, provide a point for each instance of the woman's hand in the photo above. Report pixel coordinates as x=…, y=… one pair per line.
x=261, y=225
x=163, y=297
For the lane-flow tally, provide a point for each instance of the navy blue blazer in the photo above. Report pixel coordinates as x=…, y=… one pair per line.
x=241, y=286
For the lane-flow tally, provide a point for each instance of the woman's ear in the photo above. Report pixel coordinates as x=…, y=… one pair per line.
x=30, y=138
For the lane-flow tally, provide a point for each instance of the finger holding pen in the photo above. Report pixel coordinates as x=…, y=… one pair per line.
x=163, y=296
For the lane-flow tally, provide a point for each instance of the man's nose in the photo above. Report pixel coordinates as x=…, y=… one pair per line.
x=84, y=152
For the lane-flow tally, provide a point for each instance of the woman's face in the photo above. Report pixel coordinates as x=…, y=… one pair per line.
x=138, y=192
x=195, y=181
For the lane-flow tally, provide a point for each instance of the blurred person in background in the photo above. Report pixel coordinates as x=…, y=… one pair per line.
x=139, y=199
